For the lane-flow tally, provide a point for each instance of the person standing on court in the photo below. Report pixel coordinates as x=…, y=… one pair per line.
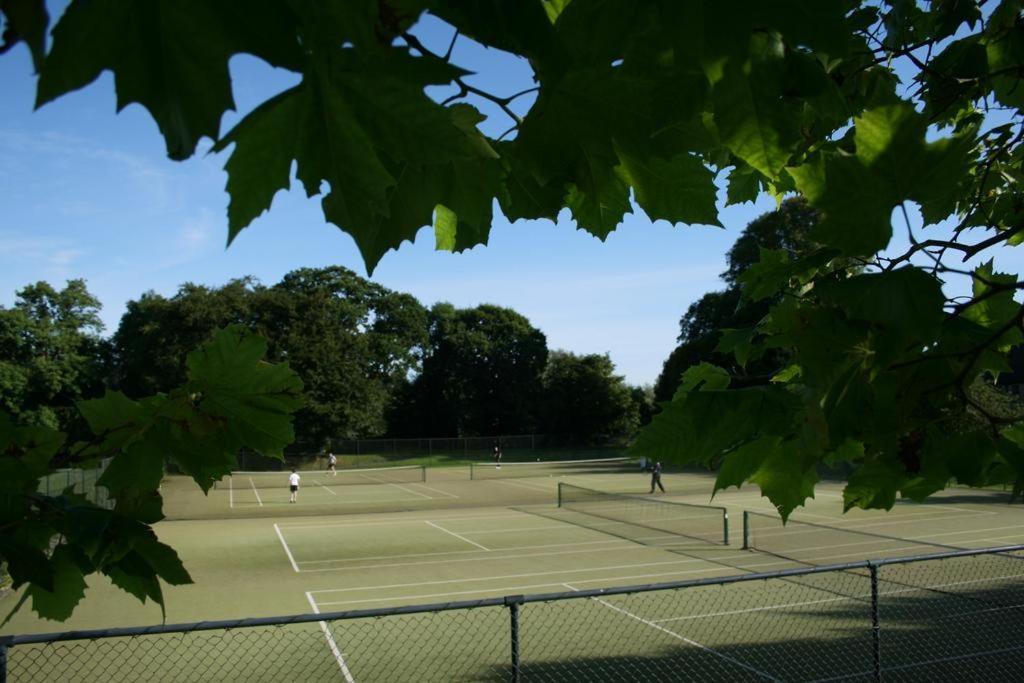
x=293, y=486
x=332, y=463
x=656, y=477
x=497, y=456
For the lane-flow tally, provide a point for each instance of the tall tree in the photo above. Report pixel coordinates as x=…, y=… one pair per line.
x=786, y=230
x=156, y=333
x=351, y=341
x=51, y=353
x=585, y=399
x=481, y=372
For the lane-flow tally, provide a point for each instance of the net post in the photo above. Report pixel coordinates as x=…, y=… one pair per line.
x=5, y=643
x=725, y=526
x=560, y=485
x=746, y=529
x=876, y=629
x=513, y=602
x=471, y=470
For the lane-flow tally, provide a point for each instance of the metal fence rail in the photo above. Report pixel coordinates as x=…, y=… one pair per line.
x=954, y=615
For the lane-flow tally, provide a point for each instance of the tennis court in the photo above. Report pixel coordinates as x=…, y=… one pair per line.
x=451, y=538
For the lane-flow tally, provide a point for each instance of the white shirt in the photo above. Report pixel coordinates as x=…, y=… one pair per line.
x=331, y=459
x=293, y=479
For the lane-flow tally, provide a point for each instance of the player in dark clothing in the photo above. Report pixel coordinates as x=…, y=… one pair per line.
x=656, y=477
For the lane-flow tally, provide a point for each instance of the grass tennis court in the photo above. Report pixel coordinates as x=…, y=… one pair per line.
x=450, y=538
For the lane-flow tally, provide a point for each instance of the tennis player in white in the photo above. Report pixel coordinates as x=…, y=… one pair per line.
x=332, y=463
x=293, y=486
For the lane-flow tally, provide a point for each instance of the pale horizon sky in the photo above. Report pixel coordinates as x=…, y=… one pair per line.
x=90, y=193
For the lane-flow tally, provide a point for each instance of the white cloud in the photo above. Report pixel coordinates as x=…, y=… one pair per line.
x=53, y=251
x=65, y=257
x=197, y=232
x=195, y=239
x=67, y=152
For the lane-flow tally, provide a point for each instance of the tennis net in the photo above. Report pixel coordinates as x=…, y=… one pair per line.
x=812, y=544
x=551, y=468
x=706, y=523
x=383, y=475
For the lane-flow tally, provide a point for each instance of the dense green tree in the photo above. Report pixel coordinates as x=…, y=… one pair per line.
x=351, y=341
x=156, y=333
x=643, y=397
x=786, y=230
x=481, y=373
x=51, y=354
x=584, y=398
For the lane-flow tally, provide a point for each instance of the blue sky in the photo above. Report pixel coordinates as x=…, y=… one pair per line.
x=90, y=193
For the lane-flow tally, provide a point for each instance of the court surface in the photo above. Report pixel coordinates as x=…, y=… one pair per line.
x=438, y=544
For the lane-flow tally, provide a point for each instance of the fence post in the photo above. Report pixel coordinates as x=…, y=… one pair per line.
x=876, y=629
x=513, y=602
x=5, y=643
x=746, y=526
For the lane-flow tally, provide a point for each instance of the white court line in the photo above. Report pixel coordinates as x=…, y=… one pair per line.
x=509, y=589
x=231, y=494
x=286, y=549
x=511, y=549
x=389, y=483
x=570, y=571
x=408, y=490
x=254, y=490
x=688, y=641
x=511, y=576
x=522, y=485
x=335, y=650
x=859, y=555
x=391, y=522
x=1016, y=537
x=362, y=501
x=562, y=525
x=817, y=529
x=461, y=538
x=431, y=488
x=745, y=569
x=975, y=531
x=766, y=608
x=860, y=596
x=328, y=490
x=480, y=558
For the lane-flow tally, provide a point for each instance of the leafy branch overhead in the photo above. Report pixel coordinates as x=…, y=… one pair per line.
x=870, y=109
x=53, y=540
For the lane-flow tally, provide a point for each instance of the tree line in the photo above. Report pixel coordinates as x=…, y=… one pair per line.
x=374, y=362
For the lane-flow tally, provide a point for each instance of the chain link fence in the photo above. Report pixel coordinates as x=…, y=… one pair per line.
x=951, y=616
x=83, y=481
